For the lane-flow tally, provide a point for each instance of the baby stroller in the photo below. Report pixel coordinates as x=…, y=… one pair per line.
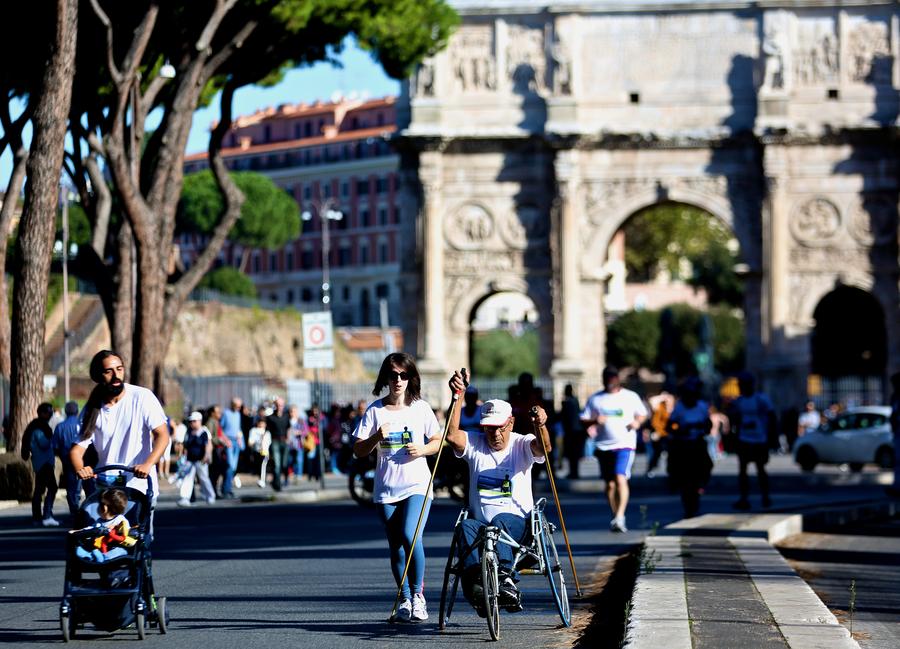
x=116, y=593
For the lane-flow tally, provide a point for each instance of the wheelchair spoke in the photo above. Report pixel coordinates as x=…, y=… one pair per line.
x=490, y=582
x=555, y=574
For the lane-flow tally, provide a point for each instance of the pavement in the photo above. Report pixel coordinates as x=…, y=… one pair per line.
x=718, y=581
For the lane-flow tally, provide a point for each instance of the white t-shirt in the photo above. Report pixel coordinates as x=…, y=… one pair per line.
x=620, y=409
x=179, y=433
x=123, y=434
x=500, y=481
x=397, y=475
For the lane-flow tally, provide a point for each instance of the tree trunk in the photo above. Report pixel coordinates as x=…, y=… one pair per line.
x=121, y=325
x=151, y=290
x=6, y=214
x=36, y=228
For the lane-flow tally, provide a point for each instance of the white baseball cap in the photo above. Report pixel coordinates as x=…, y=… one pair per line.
x=195, y=416
x=495, y=412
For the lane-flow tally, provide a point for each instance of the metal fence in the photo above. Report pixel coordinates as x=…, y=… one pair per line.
x=849, y=391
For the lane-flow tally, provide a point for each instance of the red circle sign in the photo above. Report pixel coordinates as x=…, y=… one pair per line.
x=316, y=335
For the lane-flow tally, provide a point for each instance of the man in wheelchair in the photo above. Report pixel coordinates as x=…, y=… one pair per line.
x=500, y=462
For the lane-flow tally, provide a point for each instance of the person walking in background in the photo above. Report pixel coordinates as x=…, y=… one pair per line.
x=402, y=426
x=616, y=414
x=809, y=421
x=233, y=438
x=299, y=429
x=43, y=461
x=65, y=436
x=752, y=416
x=278, y=424
x=656, y=437
x=689, y=461
x=198, y=449
x=470, y=412
x=573, y=431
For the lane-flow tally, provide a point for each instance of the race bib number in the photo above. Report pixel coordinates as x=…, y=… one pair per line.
x=612, y=412
x=395, y=441
x=494, y=487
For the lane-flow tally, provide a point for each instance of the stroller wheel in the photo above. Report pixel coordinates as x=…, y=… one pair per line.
x=162, y=615
x=139, y=623
x=67, y=626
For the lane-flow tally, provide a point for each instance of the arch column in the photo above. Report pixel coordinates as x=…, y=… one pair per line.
x=567, y=365
x=431, y=352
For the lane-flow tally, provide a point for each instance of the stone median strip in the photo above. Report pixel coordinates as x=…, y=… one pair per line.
x=715, y=581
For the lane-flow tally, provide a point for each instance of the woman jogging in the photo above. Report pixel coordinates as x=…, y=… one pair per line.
x=404, y=430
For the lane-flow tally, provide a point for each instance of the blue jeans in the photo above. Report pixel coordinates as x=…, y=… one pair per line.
x=515, y=526
x=232, y=454
x=73, y=487
x=400, y=520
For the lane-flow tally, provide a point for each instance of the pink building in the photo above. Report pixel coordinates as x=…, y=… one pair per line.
x=328, y=156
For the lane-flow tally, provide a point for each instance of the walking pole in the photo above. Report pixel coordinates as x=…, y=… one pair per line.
x=548, y=462
x=437, y=460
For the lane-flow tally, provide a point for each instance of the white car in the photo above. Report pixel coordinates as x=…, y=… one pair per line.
x=856, y=437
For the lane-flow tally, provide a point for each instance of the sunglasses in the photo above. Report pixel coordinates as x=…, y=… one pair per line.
x=401, y=376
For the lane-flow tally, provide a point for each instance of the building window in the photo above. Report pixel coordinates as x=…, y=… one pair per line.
x=273, y=297
x=326, y=189
x=382, y=216
x=345, y=189
x=363, y=253
x=382, y=185
x=307, y=192
x=344, y=255
x=297, y=131
x=289, y=261
x=383, y=252
x=306, y=257
x=346, y=293
x=306, y=295
x=364, y=218
x=381, y=290
x=257, y=262
x=267, y=133
x=308, y=129
x=273, y=262
x=362, y=187
x=379, y=120
x=290, y=296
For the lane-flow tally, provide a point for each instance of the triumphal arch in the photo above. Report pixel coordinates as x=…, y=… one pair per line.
x=542, y=127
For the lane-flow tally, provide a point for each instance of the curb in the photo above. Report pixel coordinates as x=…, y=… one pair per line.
x=659, y=612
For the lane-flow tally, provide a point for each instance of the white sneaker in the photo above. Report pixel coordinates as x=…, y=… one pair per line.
x=237, y=482
x=50, y=522
x=184, y=502
x=404, y=611
x=261, y=484
x=618, y=524
x=419, y=610
x=210, y=501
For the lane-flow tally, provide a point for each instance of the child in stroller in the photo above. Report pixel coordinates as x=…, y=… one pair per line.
x=117, y=519
x=112, y=532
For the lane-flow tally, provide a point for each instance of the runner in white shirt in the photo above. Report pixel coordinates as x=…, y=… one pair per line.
x=125, y=422
x=404, y=429
x=614, y=415
x=500, y=462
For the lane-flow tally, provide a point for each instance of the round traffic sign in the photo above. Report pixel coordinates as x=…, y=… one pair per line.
x=316, y=334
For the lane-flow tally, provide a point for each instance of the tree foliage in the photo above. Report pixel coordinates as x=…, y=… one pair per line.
x=270, y=217
x=500, y=354
x=663, y=237
x=229, y=281
x=634, y=339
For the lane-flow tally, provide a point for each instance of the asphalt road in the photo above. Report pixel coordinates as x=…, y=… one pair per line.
x=259, y=575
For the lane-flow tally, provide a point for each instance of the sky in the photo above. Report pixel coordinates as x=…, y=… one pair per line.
x=359, y=73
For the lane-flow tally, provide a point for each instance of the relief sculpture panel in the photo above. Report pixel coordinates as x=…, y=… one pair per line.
x=816, y=56
x=815, y=221
x=526, y=61
x=472, y=59
x=869, y=52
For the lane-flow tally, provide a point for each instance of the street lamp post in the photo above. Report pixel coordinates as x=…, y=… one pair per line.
x=327, y=213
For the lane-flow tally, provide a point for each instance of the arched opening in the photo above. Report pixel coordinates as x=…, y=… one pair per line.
x=849, y=338
x=674, y=296
x=503, y=336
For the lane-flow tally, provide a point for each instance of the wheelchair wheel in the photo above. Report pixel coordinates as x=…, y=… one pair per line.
x=451, y=581
x=491, y=584
x=555, y=574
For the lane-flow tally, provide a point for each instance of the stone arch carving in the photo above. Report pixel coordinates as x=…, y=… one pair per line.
x=480, y=290
x=471, y=225
x=604, y=221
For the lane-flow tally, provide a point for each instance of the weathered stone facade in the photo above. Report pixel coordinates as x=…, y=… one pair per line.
x=539, y=131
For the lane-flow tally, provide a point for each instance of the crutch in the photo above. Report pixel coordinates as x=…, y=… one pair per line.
x=549, y=464
x=453, y=404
